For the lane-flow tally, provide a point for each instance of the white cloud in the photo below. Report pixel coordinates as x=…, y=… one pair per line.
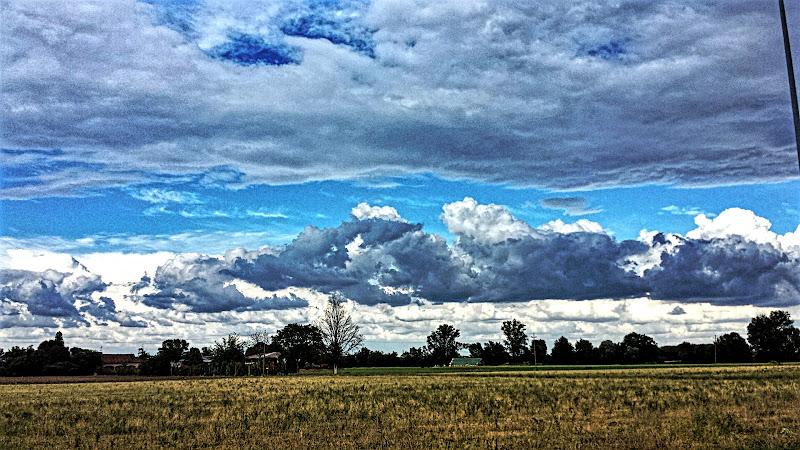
x=364, y=211
x=485, y=223
x=579, y=226
x=160, y=196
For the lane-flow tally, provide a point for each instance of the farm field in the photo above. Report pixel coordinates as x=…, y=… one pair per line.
x=672, y=407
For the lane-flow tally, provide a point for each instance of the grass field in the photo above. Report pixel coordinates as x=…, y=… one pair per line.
x=674, y=407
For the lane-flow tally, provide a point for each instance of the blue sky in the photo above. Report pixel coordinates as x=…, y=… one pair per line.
x=285, y=210
x=580, y=167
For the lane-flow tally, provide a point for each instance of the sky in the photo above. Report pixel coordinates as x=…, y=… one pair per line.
x=190, y=169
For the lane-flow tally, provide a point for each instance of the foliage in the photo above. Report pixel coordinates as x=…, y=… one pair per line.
x=173, y=349
x=538, y=351
x=51, y=357
x=563, y=352
x=227, y=357
x=442, y=344
x=585, y=353
x=515, y=338
x=774, y=337
x=638, y=348
x=365, y=357
x=415, y=357
x=491, y=354
x=299, y=344
x=339, y=332
x=732, y=348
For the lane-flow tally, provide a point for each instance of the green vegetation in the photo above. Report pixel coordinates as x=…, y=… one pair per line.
x=668, y=407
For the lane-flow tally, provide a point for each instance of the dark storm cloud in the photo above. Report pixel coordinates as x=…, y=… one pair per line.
x=376, y=261
x=549, y=94
x=200, y=284
x=729, y=271
x=35, y=299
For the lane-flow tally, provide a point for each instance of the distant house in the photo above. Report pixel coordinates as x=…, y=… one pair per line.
x=120, y=362
x=268, y=361
x=460, y=362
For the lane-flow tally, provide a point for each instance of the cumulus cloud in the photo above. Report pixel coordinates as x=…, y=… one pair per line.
x=548, y=94
x=488, y=224
x=199, y=283
x=364, y=211
x=496, y=258
x=579, y=226
x=57, y=299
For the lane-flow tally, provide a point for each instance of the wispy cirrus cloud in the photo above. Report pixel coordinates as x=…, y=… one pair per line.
x=572, y=206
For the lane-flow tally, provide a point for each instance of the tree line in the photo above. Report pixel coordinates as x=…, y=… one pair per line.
x=335, y=341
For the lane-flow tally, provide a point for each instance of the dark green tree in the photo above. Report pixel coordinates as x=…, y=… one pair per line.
x=638, y=348
x=20, y=362
x=774, y=337
x=193, y=357
x=732, y=348
x=173, y=349
x=228, y=356
x=538, y=351
x=609, y=353
x=515, y=338
x=53, y=357
x=299, y=344
x=492, y=353
x=584, y=352
x=415, y=357
x=86, y=361
x=563, y=352
x=442, y=344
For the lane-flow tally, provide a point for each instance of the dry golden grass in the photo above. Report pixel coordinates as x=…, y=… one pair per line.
x=730, y=407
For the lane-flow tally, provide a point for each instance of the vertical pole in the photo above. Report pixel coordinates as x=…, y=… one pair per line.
x=715, y=349
x=790, y=70
x=534, y=350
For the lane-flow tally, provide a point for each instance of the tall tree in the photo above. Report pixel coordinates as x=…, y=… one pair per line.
x=638, y=348
x=584, y=352
x=732, y=348
x=774, y=337
x=173, y=349
x=299, y=344
x=442, y=344
x=339, y=332
x=563, y=352
x=258, y=346
x=228, y=354
x=609, y=353
x=538, y=351
x=516, y=340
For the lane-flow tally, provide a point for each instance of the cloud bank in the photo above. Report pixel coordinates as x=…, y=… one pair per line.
x=499, y=258
x=567, y=278
x=555, y=95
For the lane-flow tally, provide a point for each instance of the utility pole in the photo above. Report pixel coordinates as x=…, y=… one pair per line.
x=790, y=69
x=715, y=349
x=534, y=350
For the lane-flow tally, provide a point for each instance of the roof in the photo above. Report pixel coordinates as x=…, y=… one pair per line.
x=272, y=355
x=465, y=361
x=120, y=358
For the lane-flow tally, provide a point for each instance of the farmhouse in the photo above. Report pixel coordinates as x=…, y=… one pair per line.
x=456, y=362
x=120, y=362
x=268, y=361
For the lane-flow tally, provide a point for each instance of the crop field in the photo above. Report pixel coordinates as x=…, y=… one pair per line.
x=684, y=407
